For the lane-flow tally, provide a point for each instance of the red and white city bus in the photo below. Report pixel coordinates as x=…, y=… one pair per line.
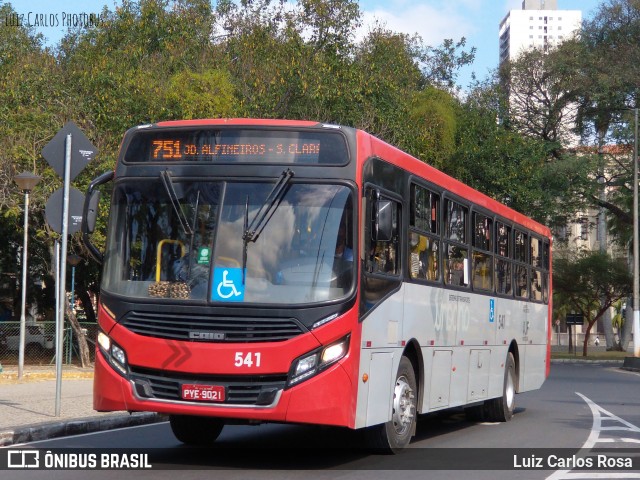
x=292, y=271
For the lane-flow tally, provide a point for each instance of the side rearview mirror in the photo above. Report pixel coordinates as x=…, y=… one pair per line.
x=383, y=227
x=90, y=213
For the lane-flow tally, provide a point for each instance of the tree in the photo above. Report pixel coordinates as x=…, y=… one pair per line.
x=541, y=92
x=589, y=283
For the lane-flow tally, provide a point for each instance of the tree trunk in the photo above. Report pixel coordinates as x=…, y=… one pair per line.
x=586, y=337
x=87, y=306
x=627, y=326
x=607, y=326
x=85, y=357
x=571, y=346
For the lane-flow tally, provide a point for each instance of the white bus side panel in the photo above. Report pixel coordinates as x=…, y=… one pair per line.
x=381, y=330
x=464, y=338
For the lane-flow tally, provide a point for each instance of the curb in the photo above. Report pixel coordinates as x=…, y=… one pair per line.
x=585, y=360
x=76, y=427
x=632, y=364
x=580, y=360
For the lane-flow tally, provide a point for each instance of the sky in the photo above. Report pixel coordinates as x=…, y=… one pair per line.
x=434, y=20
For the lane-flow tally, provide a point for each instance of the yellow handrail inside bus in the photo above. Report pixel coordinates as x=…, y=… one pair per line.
x=235, y=263
x=161, y=244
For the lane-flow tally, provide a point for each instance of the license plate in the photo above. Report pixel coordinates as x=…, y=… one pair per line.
x=203, y=393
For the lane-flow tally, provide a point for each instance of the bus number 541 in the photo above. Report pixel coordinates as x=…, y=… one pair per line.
x=248, y=359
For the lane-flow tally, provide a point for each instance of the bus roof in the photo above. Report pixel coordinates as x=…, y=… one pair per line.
x=262, y=122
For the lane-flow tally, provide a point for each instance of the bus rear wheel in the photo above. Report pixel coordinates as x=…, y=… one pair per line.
x=393, y=436
x=196, y=430
x=501, y=409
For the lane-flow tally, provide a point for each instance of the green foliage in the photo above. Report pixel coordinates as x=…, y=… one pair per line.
x=208, y=94
x=589, y=283
x=433, y=116
x=443, y=62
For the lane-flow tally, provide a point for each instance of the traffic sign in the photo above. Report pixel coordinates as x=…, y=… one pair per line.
x=575, y=319
x=82, y=150
x=53, y=210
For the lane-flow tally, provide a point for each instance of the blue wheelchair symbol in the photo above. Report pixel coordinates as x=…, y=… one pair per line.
x=492, y=310
x=227, y=285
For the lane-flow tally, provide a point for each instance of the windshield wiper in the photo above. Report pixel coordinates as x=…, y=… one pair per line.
x=167, y=181
x=252, y=231
x=268, y=208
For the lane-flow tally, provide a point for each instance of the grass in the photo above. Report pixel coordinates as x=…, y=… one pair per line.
x=592, y=355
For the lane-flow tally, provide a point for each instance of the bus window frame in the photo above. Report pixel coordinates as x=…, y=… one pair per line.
x=367, y=238
x=488, y=252
x=418, y=182
x=508, y=258
x=522, y=264
x=534, y=270
x=447, y=242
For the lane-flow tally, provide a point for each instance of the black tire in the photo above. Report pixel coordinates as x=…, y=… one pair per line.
x=501, y=409
x=393, y=436
x=196, y=430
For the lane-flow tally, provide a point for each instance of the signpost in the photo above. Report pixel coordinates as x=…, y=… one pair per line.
x=574, y=319
x=68, y=152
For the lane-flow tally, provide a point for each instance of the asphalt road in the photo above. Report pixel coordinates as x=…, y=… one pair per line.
x=580, y=406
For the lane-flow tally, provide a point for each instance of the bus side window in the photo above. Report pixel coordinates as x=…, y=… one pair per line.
x=521, y=270
x=424, y=238
x=456, y=261
x=503, y=271
x=482, y=267
x=383, y=256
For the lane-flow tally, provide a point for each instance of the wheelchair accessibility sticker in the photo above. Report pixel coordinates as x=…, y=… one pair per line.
x=227, y=285
x=492, y=310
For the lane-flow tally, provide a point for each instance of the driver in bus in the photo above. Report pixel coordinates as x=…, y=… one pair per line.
x=342, y=250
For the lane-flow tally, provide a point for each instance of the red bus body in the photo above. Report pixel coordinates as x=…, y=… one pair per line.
x=346, y=392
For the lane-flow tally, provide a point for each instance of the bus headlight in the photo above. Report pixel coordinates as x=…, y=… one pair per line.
x=113, y=353
x=314, y=362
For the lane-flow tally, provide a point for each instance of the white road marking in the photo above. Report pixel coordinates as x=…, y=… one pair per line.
x=601, y=415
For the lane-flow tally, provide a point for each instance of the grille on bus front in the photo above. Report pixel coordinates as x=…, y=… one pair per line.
x=249, y=390
x=211, y=328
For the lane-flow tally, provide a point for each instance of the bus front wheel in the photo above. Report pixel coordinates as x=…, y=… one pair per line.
x=393, y=436
x=196, y=430
x=501, y=409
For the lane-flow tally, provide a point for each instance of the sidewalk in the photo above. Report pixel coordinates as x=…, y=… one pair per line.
x=27, y=407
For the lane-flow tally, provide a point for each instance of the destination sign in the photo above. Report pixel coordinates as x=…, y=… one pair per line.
x=237, y=146
x=177, y=150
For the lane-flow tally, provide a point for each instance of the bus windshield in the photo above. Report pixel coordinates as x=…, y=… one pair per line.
x=183, y=240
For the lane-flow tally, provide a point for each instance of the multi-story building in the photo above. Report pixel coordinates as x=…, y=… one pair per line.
x=538, y=25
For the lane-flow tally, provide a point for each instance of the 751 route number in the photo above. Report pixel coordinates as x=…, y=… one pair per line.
x=249, y=359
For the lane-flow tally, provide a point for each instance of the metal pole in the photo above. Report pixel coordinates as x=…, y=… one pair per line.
x=70, y=335
x=23, y=317
x=636, y=245
x=57, y=254
x=63, y=269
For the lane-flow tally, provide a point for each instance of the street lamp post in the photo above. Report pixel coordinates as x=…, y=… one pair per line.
x=26, y=182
